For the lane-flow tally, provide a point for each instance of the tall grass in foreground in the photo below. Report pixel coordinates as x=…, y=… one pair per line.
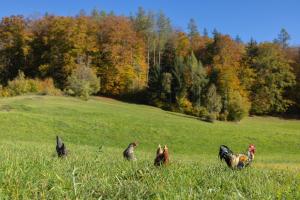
x=32, y=171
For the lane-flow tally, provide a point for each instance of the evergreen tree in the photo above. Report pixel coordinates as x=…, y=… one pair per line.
x=205, y=32
x=144, y=25
x=163, y=27
x=283, y=38
x=213, y=100
x=154, y=85
x=179, y=82
x=238, y=39
x=193, y=29
x=198, y=79
x=166, y=86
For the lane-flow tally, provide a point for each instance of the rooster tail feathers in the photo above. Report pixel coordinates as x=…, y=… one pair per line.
x=224, y=152
x=59, y=142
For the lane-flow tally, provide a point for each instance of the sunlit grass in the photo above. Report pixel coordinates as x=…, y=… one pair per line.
x=97, y=131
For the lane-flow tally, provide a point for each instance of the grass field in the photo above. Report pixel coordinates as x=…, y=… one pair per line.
x=97, y=131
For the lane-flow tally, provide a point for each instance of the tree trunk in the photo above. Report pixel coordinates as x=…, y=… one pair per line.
x=154, y=55
x=159, y=58
x=148, y=61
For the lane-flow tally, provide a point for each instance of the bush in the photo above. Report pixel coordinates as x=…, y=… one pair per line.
x=4, y=92
x=46, y=87
x=20, y=85
x=238, y=107
x=157, y=103
x=211, y=117
x=83, y=82
x=199, y=111
x=185, y=106
x=223, y=116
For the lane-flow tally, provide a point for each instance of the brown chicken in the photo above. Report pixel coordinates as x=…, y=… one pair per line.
x=162, y=156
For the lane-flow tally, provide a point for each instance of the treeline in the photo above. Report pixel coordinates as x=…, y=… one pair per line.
x=144, y=57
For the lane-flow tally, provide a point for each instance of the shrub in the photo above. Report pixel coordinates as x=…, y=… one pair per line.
x=211, y=117
x=199, y=111
x=223, y=116
x=238, y=107
x=20, y=85
x=185, y=106
x=157, y=102
x=46, y=87
x=4, y=92
x=83, y=82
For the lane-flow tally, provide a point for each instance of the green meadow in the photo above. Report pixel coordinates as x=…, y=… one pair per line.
x=98, y=130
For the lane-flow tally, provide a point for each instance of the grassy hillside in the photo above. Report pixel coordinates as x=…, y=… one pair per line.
x=30, y=169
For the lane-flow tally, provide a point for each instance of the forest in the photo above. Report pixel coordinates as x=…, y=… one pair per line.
x=144, y=58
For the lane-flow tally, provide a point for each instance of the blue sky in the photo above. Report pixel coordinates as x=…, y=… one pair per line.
x=260, y=19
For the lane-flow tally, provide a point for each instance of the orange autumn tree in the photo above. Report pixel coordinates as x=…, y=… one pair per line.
x=121, y=56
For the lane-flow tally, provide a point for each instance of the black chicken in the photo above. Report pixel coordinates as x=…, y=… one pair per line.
x=60, y=147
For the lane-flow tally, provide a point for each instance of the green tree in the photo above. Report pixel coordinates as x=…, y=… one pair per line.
x=198, y=79
x=283, y=38
x=274, y=77
x=179, y=82
x=192, y=28
x=166, y=83
x=163, y=27
x=238, y=39
x=144, y=25
x=83, y=82
x=246, y=73
x=154, y=85
x=213, y=100
x=205, y=32
x=238, y=107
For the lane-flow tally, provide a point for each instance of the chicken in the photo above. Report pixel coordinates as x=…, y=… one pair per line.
x=237, y=161
x=60, y=147
x=159, y=150
x=129, y=151
x=162, y=156
x=159, y=156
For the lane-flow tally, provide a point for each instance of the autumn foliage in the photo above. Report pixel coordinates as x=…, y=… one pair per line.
x=198, y=74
